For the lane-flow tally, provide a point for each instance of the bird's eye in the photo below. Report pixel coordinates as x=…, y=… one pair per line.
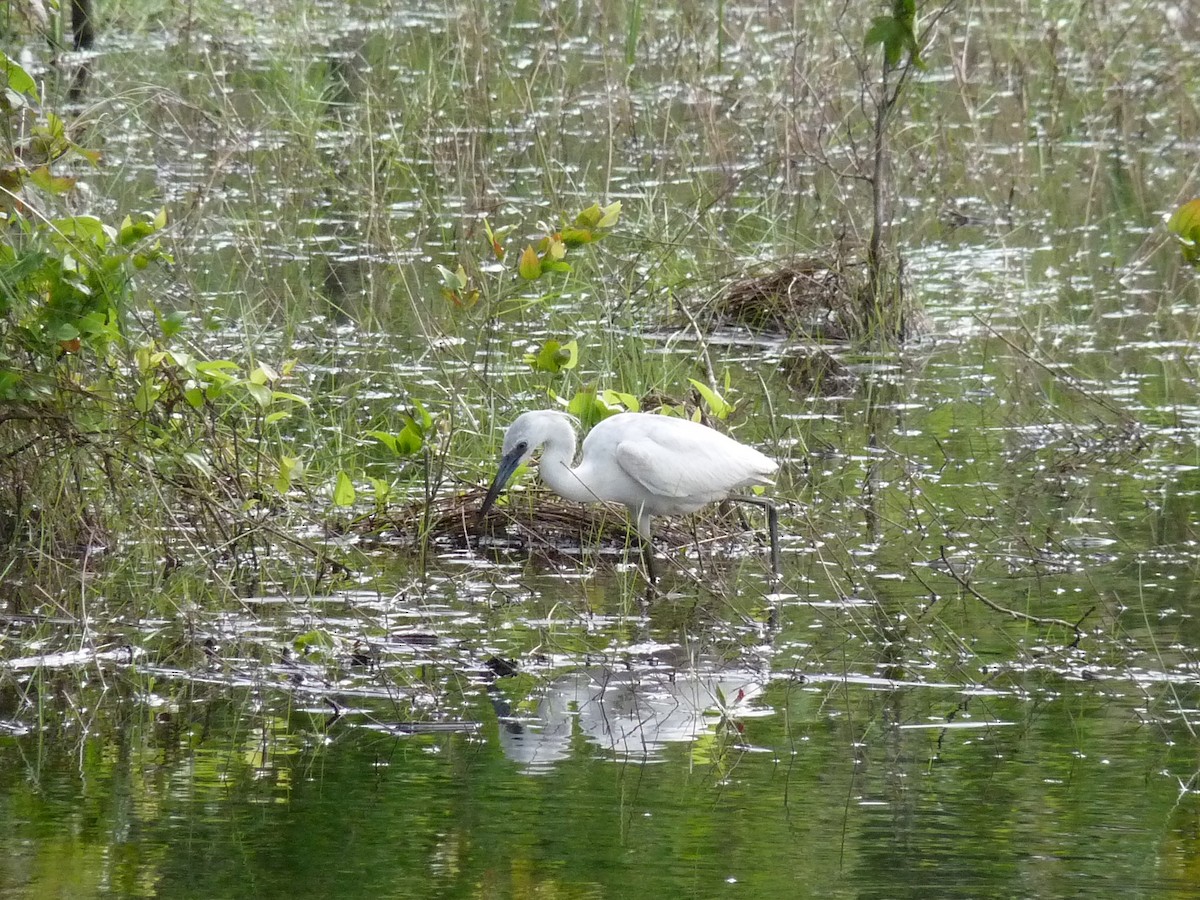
x=522, y=446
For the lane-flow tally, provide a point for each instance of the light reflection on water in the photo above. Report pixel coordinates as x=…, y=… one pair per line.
x=865, y=729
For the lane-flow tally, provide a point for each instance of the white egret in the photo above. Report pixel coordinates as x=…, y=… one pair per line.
x=655, y=465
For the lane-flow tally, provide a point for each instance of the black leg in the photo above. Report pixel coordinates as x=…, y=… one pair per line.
x=772, y=526
x=648, y=559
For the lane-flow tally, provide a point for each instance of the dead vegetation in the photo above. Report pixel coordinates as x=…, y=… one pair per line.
x=540, y=521
x=804, y=298
x=812, y=299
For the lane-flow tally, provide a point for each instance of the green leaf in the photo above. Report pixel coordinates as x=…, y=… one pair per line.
x=312, y=640
x=554, y=357
x=589, y=223
x=715, y=402
x=56, y=128
x=495, y=238
x=18, y=79
x=590, y=407
x=63, y=331
x=217, y=371
x=617, y=398
x=887, y=31
x=51, y=184
x=382, y=490
x=590, y=217
x=87, y=228
x=343, y=491
x=1185, y=225
x=131, y=232
x=200, y=464
x=577, y=237
x=99, y=323
x=568, y=355
x=611, y=213
x=181, y=359
x=284, y=395
x=421, y=415
x=587, y=407
x=529, y=266
x=896, y=33
x=410, y=440
x=386, y=438
x=289, y=467
x=173, y=323
x=146, y=396
x=92, y=156
x=453, y=281
x=264, y=374
x=260, y=392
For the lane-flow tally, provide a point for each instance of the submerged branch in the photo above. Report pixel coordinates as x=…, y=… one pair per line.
x=1004, y=610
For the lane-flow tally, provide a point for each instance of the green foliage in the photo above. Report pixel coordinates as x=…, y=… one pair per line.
x=715, y=402
x=554, y=357
x=316, y=642
x=496, y=238
x=343, y=490
x=19, y=86
x=64, y=279
x=1185, y=225
x=102, y=407
x=546, y=256
x=896, y=33
x=62, y=286
x=381, y=492
x=456, y=286
x=530, y=265
x=591, y=224
x=411, y=439
x=590, y=406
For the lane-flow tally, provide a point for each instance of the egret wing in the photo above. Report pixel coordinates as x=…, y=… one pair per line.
x=697, y=473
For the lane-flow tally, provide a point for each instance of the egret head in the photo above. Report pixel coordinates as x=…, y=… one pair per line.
x=524, y=437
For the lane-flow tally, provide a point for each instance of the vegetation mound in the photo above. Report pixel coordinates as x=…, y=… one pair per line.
x=814, y=299
x=538, y=520
x=807, y=297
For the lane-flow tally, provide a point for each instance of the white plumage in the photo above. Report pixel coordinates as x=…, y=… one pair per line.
x=654, y=465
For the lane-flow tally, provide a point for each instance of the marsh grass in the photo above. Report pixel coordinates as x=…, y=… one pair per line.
x=313, y=189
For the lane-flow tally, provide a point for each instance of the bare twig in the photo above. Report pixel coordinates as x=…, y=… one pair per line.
x=1004, y=610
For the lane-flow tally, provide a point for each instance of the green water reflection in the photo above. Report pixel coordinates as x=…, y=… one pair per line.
x=199, y=806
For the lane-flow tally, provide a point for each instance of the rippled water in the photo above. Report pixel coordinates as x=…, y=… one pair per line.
x=978, y=673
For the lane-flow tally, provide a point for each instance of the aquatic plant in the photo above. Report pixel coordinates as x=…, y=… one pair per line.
x=1185, y=225
x=105, y=411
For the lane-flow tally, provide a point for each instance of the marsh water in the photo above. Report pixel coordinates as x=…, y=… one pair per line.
x=977, y=673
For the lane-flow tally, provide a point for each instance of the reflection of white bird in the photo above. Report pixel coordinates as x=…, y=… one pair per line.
x=633, y=715
x=655, y=465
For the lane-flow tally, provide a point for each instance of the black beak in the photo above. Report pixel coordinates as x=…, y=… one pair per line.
x=509, y=463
